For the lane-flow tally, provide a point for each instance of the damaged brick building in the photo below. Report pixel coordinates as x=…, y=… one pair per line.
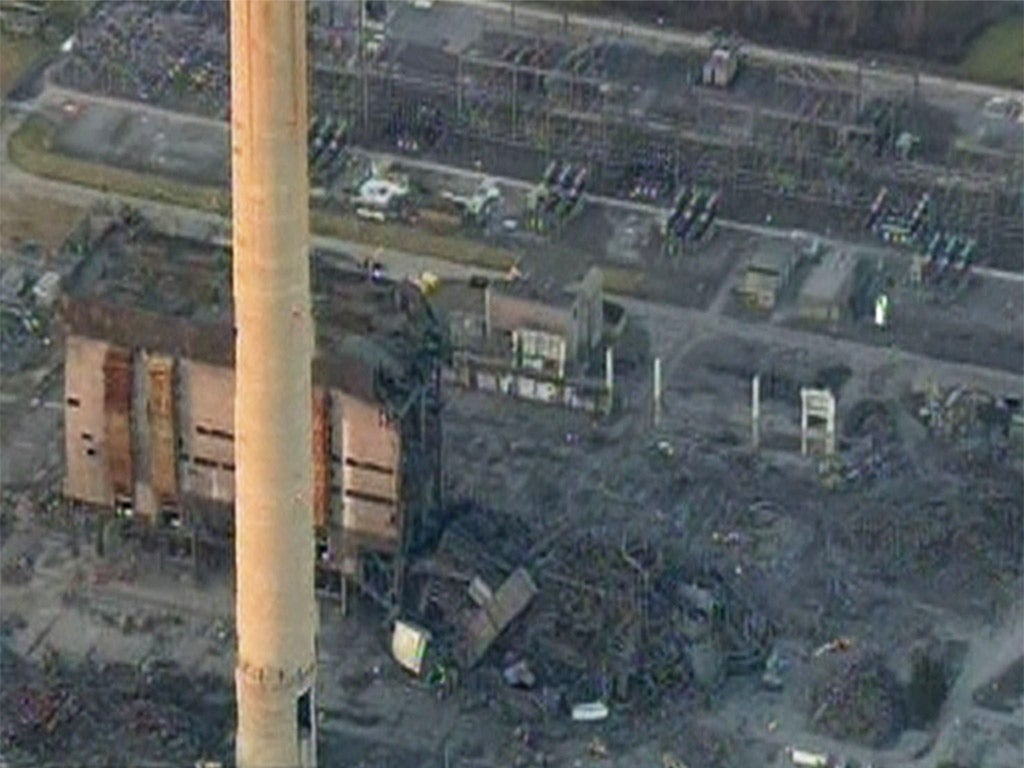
x=518, y=339
x=149, y=386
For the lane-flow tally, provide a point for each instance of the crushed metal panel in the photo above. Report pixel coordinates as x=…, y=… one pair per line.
x=488, y=622
x=409, y=645
x=117, y=396
x=370, y=517
x=370, y=438
x=370, y=479
x=372, y=482
x=162, y=431
x=321, y=457
x=87, y=476
x=206, y=430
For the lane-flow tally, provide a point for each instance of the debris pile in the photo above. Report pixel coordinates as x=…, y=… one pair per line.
x=605, y=619
x=872, y=459
x=873, y=452
x=17, y=572
x=23, y=339
x=855, y=696
x=110, y=714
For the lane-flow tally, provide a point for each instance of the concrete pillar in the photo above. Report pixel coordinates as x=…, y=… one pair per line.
x=820, y=405
x=803, y=422
x=609, y=371
x=274, y=547
x=657, y=391
x=487, y=312
x=755, y=411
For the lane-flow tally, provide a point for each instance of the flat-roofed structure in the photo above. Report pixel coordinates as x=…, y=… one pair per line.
x=825, y=294
x=767, y=273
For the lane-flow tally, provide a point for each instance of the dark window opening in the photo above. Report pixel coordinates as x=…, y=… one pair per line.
x=74, y=402
x=228, y=466
x=90, y=451
x=201, y=462
x=304, y=713
x=373, y=467
x=370, y=497
x=220, y=433
x=87, y=436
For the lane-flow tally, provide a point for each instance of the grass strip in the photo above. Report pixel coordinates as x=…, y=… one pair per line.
x=31, y=148
x=997, y=55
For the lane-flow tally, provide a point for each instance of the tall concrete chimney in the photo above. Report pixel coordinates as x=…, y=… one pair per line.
x=275, y=607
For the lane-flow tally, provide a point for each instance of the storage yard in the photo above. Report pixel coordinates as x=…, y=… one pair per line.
x=659, y=565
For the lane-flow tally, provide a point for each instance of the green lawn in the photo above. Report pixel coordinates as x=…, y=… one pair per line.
x=31, y=148
x=17, y=54
x=997, y=55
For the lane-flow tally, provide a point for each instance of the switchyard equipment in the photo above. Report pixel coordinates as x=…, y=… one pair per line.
x=886, y=118
x=944, y=254
x=652, y=176
x=423, y=129
x=328, y=143
x=949, y=258
x=835, y=136
x=477, y=209
x=919, y=216
x=557, y=198
x=690, y=218
x=382, y=198
x=722, y=66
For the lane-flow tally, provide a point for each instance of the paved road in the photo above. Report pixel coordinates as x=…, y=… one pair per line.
x=944, y=86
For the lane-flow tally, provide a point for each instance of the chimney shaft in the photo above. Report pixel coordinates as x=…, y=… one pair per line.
x=274, y=547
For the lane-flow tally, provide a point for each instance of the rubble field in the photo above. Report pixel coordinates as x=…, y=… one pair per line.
x=711, y=604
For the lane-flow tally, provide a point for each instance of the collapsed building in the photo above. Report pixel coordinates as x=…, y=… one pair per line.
x=517, y=339
x=149, y=385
